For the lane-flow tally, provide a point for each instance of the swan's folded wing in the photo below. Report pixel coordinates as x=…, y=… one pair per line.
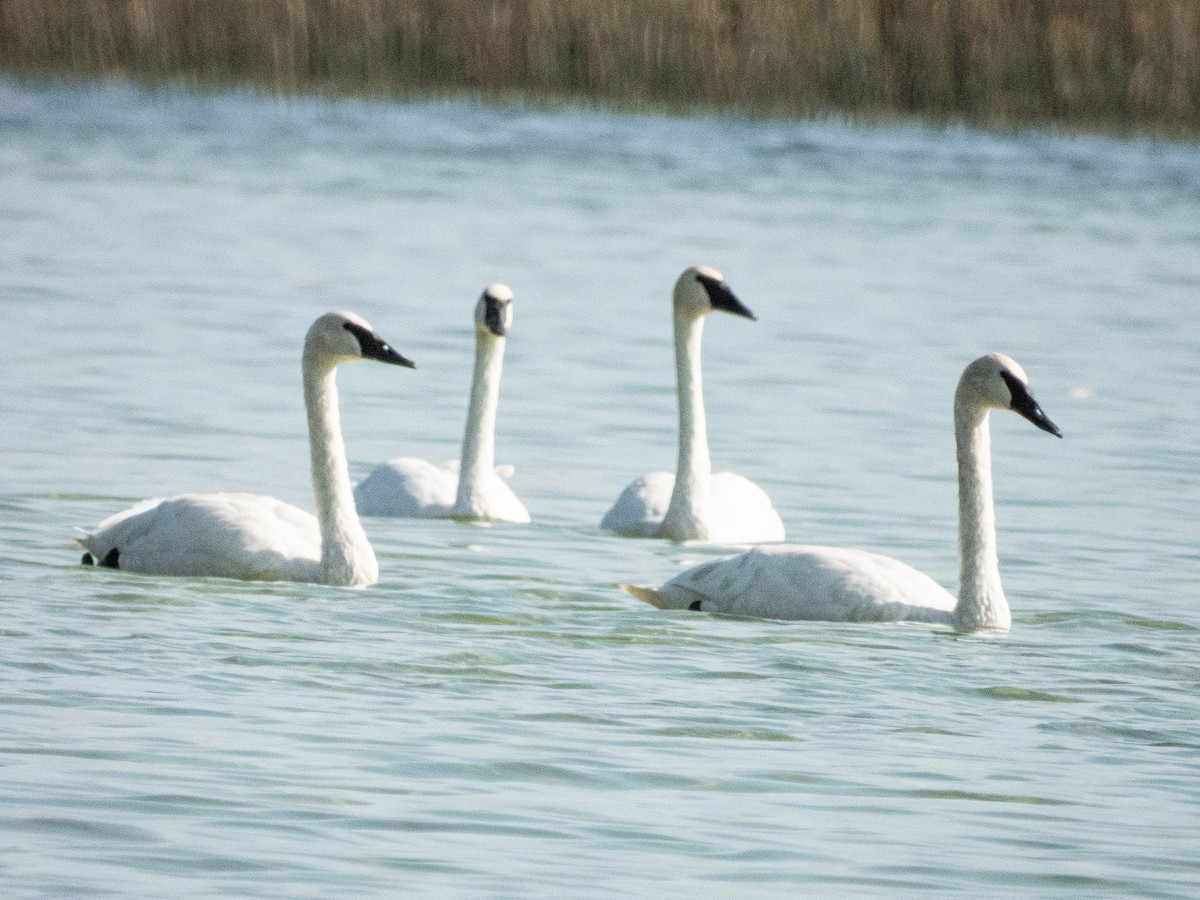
x=642, y=506
x=744, y=510
x=408, y=487
x=234, y=535
x=495, y=501
x=766, y=585
x=813, y=583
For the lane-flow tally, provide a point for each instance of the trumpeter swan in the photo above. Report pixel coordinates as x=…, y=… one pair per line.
x=833, y=584
x=694, y=504
x=470, y=489
x=247, y=536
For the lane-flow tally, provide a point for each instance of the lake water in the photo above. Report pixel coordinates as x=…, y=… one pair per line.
x=495, y=718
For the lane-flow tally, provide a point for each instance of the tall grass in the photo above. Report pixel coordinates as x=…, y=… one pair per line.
x=1124, y=64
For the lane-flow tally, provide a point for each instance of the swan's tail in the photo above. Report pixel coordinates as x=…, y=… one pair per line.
x=648, y=595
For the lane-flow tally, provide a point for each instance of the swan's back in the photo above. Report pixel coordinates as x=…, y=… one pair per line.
x=494, y=501
x=408, y=487
x=805, y=582
x=641, y=507
x=415, y=488
x=745, y=514
x=233, y=535
x=742, y=512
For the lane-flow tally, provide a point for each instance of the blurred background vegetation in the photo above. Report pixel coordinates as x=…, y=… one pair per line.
x=1124, y=65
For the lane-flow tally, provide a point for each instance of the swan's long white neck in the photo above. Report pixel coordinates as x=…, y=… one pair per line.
x=981, y=601
x=478, y=461
x=687, y=518
x=346, y=555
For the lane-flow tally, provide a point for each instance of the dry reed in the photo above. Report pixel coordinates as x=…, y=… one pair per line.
x=1117, y=64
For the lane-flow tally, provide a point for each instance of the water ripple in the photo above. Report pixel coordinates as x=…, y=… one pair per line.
x=495, y=718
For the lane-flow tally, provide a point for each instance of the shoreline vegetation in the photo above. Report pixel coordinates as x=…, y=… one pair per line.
x=1129, y=66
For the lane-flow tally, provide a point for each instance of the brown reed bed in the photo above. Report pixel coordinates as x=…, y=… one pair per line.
x=1110, y=64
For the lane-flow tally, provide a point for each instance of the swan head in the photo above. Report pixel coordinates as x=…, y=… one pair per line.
x=996, y=381
x=702, y=289
x=493, y=312
x=339, y=336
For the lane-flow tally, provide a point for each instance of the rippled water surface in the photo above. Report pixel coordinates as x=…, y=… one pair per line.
x=495, y=718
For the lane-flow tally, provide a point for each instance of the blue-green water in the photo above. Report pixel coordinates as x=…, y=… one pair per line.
x=495, y=719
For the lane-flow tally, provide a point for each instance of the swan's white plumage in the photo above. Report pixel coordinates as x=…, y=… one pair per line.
x=695, y=504
x=640, y=508
x=846, y=585
x=239, y=535
x=473, y=488
x=408, y=487
x=232, y=534
x=742, y=512
x=784, y=581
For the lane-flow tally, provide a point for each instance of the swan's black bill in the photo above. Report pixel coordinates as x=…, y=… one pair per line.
x=374, y=348
x=1024, y=405
x=383, y=352
x=493, y=316
x=722, y=298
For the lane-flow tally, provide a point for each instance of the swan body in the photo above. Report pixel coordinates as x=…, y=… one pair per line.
x=231, y=534
x=238, y=535
x=695, y=504
x=845, y=585
x=409, y=487
x=471, y=488
x=741, y=511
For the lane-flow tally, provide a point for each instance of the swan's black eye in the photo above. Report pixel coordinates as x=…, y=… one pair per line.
x=1015, y=388
x=721, y=297
x=493, y=315
x=1023, y=404
x=364, y=337
x=369, y=345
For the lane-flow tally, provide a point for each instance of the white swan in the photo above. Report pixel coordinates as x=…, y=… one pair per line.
x=833, y=584
x=694, y=504
x=472, y=489
x=247, y=536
